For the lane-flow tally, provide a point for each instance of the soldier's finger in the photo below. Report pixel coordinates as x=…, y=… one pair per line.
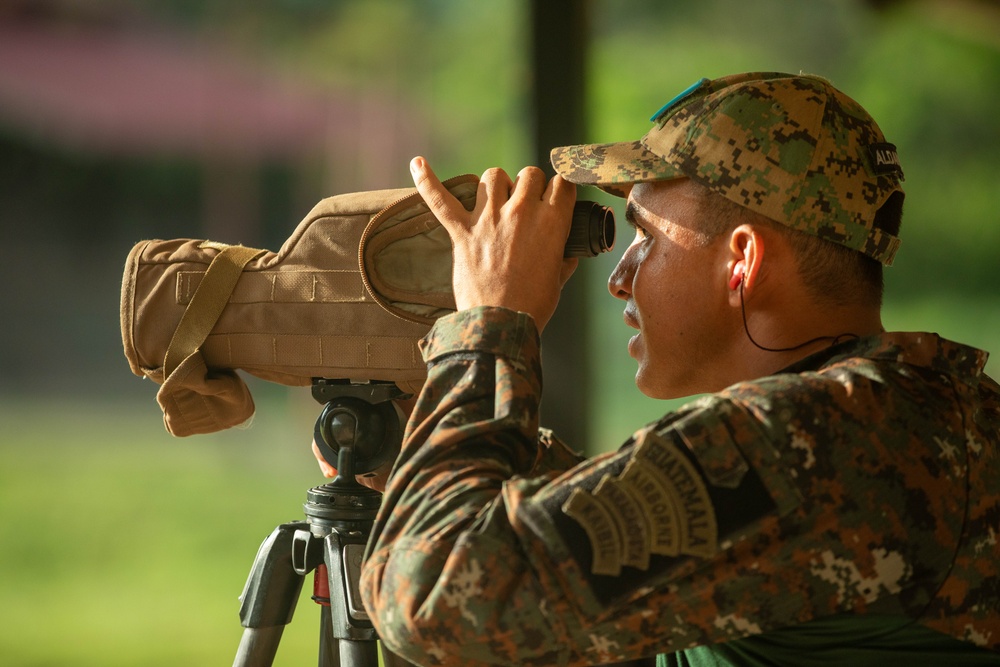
x=560, y=192
x=530, y=183
x=448, y=210
x=328, y=470
x=566, y=270
x=496, y=185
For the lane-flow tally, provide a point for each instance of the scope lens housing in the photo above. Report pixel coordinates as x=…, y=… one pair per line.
x=592, y=230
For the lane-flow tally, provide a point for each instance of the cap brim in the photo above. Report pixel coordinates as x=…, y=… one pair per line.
x=611, y=167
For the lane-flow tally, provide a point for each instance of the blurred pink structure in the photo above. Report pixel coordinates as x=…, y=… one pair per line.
x=136, y=91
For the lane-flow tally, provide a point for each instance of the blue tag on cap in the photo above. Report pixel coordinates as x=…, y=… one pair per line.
x=682, y=95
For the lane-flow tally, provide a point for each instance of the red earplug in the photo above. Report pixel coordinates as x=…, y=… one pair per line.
x=737, y=278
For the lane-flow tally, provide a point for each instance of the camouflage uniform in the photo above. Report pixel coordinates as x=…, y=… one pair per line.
x=863, y=480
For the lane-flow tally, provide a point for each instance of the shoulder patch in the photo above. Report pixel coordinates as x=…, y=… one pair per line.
x=629, y=521
x=658, y=509
x=658, y=504
x=595, y=519
x=697, y=523
x=634, y=518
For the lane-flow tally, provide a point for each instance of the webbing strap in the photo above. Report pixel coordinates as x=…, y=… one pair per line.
x=289, y=354
x=207, y=304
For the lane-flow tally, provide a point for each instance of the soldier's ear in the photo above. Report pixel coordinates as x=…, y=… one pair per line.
x=746, y=257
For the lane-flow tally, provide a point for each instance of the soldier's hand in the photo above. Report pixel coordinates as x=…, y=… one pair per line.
x=508, y=251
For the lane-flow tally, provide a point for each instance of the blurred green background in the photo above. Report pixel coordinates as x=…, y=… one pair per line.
x=120, y=545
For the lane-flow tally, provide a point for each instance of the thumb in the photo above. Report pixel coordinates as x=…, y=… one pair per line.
x=568, y=268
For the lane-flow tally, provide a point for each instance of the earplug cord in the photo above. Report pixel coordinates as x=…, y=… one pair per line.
x=833, y=339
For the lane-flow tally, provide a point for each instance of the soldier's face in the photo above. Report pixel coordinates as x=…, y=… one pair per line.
x=674, y=284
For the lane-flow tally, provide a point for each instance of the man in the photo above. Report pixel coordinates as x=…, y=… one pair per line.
x=835, y=501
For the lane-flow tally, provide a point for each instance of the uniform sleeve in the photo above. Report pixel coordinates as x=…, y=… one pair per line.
x=480, y=555
x=443, y=583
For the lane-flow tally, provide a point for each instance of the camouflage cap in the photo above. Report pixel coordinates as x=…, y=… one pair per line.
x=791, y=147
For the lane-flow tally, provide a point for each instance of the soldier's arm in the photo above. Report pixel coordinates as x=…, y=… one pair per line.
x=474, y=562
x=474, y=428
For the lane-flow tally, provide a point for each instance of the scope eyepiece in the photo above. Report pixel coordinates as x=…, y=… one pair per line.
x=592, y=230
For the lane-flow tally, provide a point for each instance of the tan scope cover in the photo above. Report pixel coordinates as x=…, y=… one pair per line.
x=347, y=297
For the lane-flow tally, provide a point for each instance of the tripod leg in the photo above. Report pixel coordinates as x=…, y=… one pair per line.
x=272, y=589
x=329, y=654
x=258, y=646
x=358, y=653
x=350, y=629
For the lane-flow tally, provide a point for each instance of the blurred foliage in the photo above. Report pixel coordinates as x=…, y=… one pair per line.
x=132, y=546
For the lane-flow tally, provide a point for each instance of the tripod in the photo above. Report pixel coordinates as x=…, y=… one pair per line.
x=359, y=428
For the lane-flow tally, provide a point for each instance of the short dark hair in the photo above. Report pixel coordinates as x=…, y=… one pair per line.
x=831, y=272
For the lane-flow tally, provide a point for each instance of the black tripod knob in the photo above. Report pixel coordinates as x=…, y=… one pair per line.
x=370, y=431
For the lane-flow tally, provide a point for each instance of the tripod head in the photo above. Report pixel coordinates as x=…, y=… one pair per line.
x=359, y=428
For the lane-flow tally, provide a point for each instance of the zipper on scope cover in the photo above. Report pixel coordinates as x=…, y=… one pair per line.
x=400, y=203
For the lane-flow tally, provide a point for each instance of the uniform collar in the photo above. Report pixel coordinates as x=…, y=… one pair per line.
x=926, y=350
